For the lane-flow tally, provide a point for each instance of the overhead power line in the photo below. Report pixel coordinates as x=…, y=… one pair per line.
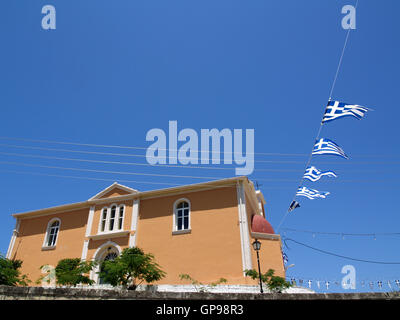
x=87, y=178
x=136, y=163
x=188, y=158
x=119, y=154
x=285, y=240
x=158, y=174
x=174, y=150
x=373, y=234
x=107, y=171
x=139, y=148
x=205, y=167
x=113, y=180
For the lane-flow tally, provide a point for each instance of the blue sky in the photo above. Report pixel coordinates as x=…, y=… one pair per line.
x=111, y=71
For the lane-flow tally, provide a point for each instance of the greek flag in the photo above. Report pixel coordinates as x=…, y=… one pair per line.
x=336, y=109
x=326, y=146
x=311, y=193
x=313, y=174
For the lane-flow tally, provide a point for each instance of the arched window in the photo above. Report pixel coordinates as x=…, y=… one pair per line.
x=52, y=233
x=182, y=215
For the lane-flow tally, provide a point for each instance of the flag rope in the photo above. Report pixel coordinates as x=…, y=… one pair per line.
x=321, y=124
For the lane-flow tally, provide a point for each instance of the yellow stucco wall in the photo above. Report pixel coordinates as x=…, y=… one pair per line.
x=28, y=244
x=212, y=249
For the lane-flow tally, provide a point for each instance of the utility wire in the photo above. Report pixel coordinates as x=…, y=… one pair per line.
x=151, y=157
x=120, y=154
x=336, y=255
x=124, y=172
x=107, y=171
x=142, y=148
x=136, y=163
x=86, y=178
x=148, y=148
x=111, y=180
x=343, y=233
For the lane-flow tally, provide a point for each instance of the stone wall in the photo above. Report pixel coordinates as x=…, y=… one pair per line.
x=40, y=293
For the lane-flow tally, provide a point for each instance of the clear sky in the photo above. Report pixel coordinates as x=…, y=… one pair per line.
x=111, y=71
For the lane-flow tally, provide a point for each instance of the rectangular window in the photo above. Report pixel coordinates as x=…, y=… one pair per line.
x=121, y=217
x=112, y=219
x=186, y=222
x=52, y=236
x=103, y=220
x=180, y=223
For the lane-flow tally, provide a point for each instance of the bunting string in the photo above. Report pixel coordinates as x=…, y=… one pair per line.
x=325, y=284
x=323, y=146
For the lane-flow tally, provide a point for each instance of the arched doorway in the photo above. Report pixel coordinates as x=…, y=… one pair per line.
x=107, y=251
x=109, y=255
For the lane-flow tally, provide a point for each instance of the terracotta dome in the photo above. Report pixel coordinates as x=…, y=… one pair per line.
x=260, y=224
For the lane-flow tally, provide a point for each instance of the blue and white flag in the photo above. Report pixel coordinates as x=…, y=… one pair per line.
x=313, y=174
x=285, y=258
x=293, y=206
x=326, y=146
x=311, y=193
x=336, y=109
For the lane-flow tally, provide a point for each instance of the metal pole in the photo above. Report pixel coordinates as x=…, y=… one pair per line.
x=259, y=272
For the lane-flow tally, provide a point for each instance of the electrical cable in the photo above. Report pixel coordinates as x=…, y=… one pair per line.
x=336, y=255
x=343, y=233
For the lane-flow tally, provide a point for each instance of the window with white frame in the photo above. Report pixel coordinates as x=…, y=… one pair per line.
x=182, y=215
x=112, y=218
x=121, y=217
x=53, y=228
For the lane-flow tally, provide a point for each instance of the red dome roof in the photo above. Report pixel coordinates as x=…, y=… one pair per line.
x=259, y=224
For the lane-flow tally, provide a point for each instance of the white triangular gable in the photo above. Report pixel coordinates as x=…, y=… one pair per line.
x=114, y=186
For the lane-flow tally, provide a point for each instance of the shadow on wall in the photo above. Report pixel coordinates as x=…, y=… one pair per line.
x=69, y=221
x=215, y=199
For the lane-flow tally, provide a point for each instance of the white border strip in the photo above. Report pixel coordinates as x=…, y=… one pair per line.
x=13, y=238
x=244, y=230
x=85, y=250
x=90, y=222
x=134, y=221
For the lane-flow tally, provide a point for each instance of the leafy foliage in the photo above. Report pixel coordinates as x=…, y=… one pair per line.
x=131, y=268
x=71, y=272
x=10, y=274
x=200, y=287
x=273, y=283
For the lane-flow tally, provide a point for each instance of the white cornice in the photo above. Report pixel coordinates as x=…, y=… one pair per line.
x=268, y=236
x=139, y=195
x=109, y=235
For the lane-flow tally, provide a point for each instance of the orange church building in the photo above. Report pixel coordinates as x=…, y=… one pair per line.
x=205, y=230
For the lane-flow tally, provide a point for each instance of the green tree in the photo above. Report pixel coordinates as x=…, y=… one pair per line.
x=131, y=268
x=10, y=274
x=273, y=283
x=71, y=272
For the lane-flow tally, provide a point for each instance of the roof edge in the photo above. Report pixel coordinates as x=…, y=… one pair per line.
x=145, y=194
